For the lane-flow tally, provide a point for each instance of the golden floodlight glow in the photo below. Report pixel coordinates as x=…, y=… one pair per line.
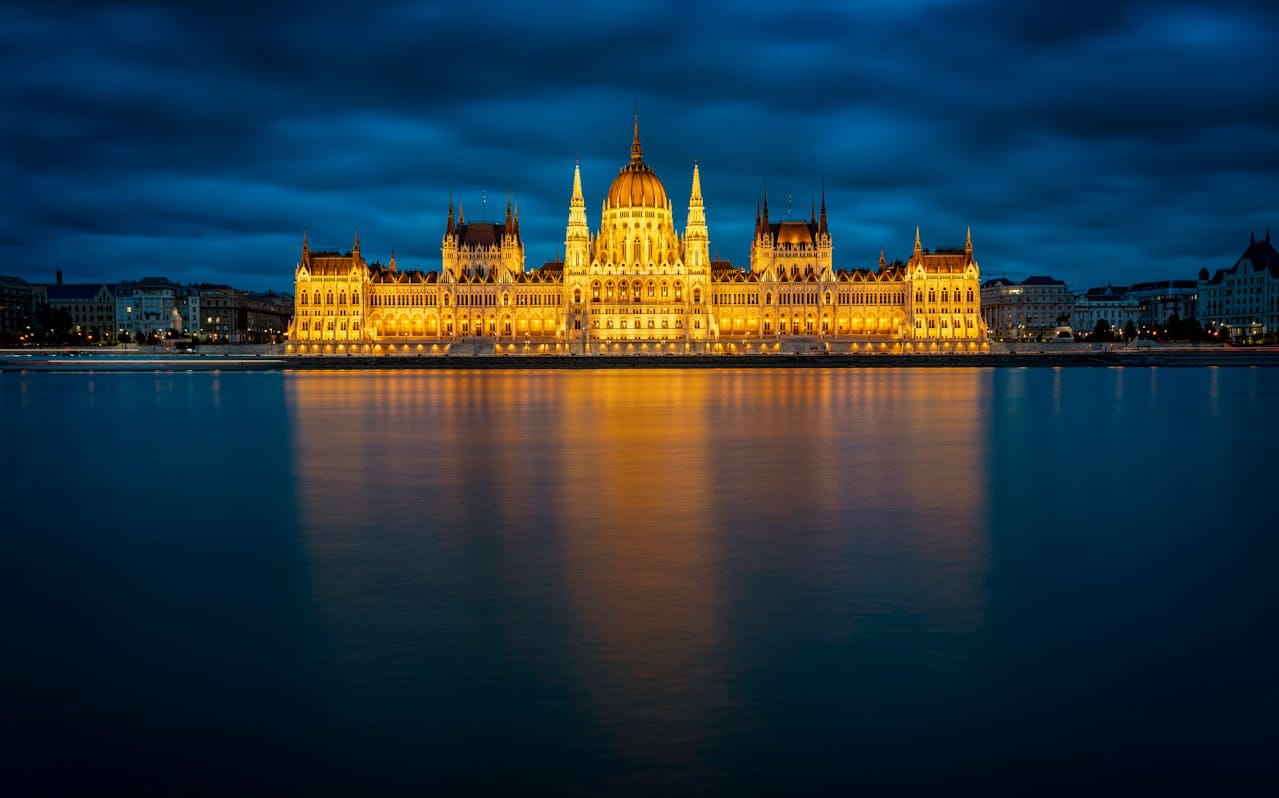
x=638, y=280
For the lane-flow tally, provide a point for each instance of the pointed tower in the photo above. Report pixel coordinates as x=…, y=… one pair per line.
x=448, y=230
x=577, y=236
x=355, y=248
x=392, y=258
x=918, y=247
x=696, y=238
x=510, y=223
x=306, y=249
x=637, y=152
x=968, y=245
x=883, y=261
x=822, y=229
x=825, y=251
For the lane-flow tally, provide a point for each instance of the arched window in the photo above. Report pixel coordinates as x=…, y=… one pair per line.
x=932, y=295
x=970, y=295
x=303, y=298
x=595, y=291
x=679, y=291
x=665, y=291
x=608, y=290
x=945, y=295
x=919, y=295
x=768, y=298
x=697, y=295
x=577, y=296
x=355, y=298
x=637, y=290
x=828, y=297
x=328, y=300
x=651, y=289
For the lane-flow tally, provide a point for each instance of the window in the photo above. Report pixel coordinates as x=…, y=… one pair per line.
x=577, y=296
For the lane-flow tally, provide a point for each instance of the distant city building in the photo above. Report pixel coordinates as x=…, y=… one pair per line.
x=239, y=316
x=1159, y=301
x=1245, y=297
x=90, y=305
x=18, y=303
x=146, y=307
x=637, y=284
x=1112, y=304
x=1025, y=310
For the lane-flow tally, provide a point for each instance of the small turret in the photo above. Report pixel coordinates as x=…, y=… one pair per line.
x=822, y=229
x=448, y=230
x=918, y=247
x=968, y=244
x=392, y=258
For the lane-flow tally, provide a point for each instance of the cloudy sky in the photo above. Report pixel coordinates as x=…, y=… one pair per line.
x=1119, y=141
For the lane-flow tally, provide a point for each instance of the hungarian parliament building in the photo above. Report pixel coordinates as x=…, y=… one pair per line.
x=637, y=286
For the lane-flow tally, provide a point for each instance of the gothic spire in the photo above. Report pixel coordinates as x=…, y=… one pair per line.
x=968, y=243
x=696, y=208
x=637, y=152
x=448, y=231
x=577, y=227
x=918, y=247
x=822, y=228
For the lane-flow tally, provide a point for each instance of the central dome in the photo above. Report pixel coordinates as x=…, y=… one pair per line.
x=636, y=186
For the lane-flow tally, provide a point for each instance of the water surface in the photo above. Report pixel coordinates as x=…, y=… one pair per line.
x=682, y=582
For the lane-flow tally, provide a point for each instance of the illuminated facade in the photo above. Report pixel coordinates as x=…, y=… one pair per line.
x=637, y=285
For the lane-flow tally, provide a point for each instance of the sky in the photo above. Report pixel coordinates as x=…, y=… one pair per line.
x=1093, y=142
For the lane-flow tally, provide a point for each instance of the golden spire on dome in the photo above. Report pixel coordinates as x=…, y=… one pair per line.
x=637, y=152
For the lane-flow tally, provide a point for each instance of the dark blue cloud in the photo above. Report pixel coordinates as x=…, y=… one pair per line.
x=1123, y=140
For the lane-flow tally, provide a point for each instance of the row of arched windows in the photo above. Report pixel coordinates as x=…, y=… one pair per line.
x=328, y=298
x=945, y=295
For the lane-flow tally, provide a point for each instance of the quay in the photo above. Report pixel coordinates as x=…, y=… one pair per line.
x=19, y=362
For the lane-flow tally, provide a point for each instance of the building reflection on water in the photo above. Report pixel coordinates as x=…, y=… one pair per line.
x=625, y=539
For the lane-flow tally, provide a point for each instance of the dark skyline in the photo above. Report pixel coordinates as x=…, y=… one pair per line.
x=1121, y=141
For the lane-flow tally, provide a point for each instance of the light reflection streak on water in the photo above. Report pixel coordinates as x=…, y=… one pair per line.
x=656, y=507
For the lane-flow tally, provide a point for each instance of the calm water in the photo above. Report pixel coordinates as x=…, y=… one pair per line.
x=684, y=582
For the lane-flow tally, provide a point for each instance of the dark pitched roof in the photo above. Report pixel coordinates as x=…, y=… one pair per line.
x=1262, y=256
x=67, y=292
x=1041, y=279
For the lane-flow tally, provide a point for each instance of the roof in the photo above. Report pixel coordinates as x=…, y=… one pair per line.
x=1260, y=254
x=1042, y=279
x=70, y=292
x=480, y=234
x=795, y=233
